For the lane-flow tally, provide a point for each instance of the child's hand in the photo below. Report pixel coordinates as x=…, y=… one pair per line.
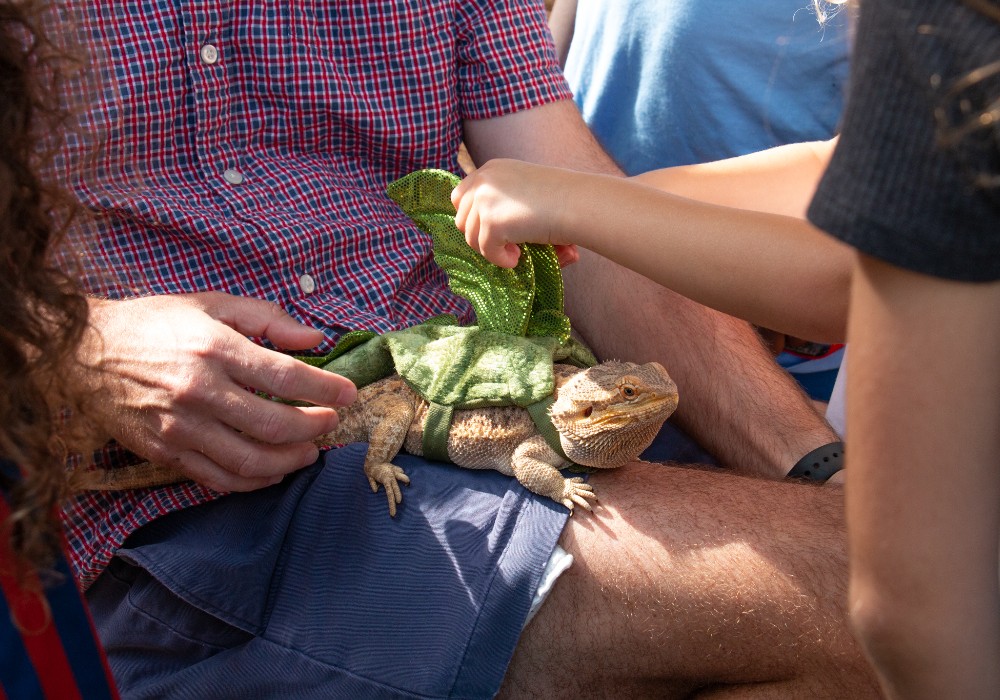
x=507, y=202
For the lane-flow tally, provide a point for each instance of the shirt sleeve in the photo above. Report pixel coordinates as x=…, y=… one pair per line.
x=915, y=179
x=506, y=59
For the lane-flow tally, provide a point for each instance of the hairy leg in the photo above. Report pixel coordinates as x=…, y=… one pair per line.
x=697, y=582
x=734, y=399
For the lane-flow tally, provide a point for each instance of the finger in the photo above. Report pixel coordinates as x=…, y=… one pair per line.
x=471, y=237
x=274, y=422
x=463, y=205
x=473, y=232
x=265, y=319
x=493, y=247
x=511, y=254
x=200, y=468
x=459, y=191
x=244, y=457
x=285, y=377
x=567, y=254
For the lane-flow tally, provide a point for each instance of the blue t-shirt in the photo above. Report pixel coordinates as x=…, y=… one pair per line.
x=685, y=82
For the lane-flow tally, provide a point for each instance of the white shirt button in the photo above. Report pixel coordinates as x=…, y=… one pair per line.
x=307, y=284
x=233, y=177
x=209, y=54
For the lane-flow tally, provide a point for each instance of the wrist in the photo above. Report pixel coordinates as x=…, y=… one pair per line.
x=561, y=211
x=580, y=218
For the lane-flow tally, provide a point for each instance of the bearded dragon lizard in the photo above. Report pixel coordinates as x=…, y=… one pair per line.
x=605, y=416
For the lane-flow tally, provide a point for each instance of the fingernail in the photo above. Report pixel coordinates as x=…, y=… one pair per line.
x=347, y=395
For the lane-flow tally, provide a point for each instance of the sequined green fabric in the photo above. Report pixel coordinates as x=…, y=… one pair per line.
x=507, y=357
x=460, y=366
x=524, y=301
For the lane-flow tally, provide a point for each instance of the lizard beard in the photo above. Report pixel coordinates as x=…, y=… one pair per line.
x=611, y=448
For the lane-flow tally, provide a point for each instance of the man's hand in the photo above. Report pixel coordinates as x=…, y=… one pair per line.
x=173, y=371
x=507, y=202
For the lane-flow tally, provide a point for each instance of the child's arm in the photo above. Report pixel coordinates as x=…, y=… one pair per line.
x=780, y=180
x=923, y=480
x=774, y=270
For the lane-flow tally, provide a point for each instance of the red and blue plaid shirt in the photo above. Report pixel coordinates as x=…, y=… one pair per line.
x=246, y=146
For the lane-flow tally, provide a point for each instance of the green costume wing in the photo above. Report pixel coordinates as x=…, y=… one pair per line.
x=525, y=300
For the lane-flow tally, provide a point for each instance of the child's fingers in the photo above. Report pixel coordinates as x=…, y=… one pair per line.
x=511, y=254
x=463, y=204
x=500, y=253
x=459, y=191
x=567, y=254
x=471, y=229
x=477, y=235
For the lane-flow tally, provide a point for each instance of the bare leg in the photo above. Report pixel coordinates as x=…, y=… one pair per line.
x=734, y=399
x=697, y=582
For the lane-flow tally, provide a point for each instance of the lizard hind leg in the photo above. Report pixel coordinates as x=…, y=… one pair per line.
x=535, y=466
x=389, y=417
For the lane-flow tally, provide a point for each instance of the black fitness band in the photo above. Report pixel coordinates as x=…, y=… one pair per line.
x=820, y=464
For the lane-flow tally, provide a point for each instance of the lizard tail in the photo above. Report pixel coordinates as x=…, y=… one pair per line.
x=135, y=476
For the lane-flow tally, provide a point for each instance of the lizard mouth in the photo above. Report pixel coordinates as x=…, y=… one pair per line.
x=646, y=406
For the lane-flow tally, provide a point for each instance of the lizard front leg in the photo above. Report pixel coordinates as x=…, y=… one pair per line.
x=388, y=416
x=533, y=462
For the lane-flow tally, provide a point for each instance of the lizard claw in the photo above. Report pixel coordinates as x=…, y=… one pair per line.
x=576, y=492
x=389, y=476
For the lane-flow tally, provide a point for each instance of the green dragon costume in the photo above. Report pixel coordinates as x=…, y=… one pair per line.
x=505, y=359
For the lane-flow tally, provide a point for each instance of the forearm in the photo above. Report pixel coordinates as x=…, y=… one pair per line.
x=752, y=265
x=923, y=486
x=780, y=180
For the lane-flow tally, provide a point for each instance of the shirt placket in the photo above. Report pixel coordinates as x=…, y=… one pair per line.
x=205, y=39
x=221, y=144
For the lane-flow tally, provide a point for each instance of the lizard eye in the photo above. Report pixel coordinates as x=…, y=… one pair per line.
x=587, y=411
x=629, y=391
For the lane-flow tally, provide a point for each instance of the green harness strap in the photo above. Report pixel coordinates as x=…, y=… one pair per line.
x=539, y=412
x=435, y=440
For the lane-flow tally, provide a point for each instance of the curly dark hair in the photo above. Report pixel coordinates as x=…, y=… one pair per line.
x=42, y=315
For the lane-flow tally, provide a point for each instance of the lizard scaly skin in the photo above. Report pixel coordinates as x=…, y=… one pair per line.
x=605, y=415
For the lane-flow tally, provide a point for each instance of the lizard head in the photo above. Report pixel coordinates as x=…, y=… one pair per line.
x=608, y=414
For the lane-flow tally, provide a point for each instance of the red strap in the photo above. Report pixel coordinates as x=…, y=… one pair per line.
x=33, y=618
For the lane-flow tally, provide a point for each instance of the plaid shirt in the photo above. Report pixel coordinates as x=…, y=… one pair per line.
x=246, y=146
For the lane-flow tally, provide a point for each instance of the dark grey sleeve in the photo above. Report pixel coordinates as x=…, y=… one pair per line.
x=908, y=183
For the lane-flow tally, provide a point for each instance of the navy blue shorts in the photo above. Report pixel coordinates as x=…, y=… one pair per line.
x=308, y=589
